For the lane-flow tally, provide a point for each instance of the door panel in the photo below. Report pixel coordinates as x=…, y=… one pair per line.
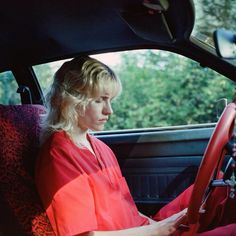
x=158, y=165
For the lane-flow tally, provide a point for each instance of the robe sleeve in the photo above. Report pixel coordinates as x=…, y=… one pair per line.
x=65, y=193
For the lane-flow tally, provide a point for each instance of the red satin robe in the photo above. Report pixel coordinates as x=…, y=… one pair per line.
x=81, y=192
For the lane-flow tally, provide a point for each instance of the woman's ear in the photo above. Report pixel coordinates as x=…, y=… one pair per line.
x=80, y=110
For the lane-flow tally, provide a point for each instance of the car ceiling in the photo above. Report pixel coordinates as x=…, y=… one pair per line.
x=33, y=32
x=40, y=31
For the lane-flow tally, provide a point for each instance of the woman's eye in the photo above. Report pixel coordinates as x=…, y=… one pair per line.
x=98, y=100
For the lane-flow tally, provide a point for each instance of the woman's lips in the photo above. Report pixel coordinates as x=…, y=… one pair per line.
x=103, y=120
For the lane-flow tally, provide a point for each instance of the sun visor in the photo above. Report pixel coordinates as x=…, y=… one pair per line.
x=150, y=27
x=156, y=20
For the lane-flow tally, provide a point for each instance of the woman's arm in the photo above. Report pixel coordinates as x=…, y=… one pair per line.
x=162, y=228
x=151, y=221
x=147, y=230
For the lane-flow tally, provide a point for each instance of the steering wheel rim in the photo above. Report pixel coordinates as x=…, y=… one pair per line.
x=213, y=153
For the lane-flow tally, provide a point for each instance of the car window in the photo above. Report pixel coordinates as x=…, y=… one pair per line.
x=159, y=89
x=211, y=15
x=8, y=89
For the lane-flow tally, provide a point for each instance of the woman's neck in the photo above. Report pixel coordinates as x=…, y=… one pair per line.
x=80, y=138
x=79, y=135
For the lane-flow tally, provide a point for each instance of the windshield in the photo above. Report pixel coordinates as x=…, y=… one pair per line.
x=211, y=15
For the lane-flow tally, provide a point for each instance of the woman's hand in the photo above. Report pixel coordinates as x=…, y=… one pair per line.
x=169, y=225
x=161, y=228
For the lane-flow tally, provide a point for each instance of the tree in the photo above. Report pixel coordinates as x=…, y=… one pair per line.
x=212, y=15
x=8, y=88
x=162, y=88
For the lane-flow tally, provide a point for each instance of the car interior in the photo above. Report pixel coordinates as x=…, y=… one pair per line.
x=158, y=163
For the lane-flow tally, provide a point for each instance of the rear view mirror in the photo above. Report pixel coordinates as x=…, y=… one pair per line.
x=225, y=43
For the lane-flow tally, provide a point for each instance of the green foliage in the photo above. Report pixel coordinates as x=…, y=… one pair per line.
x=159, y=89
x=44, y=73
x=162, y=89
x=8, y=88
x=212, y=15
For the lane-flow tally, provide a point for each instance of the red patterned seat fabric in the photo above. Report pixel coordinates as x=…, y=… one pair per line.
x=19, y=139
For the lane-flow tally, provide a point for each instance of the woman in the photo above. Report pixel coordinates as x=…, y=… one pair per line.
x=77, y=175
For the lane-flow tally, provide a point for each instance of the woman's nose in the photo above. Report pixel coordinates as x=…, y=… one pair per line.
x=108, y=109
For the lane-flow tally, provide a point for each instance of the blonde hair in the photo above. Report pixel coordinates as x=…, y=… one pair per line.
x=75, y=84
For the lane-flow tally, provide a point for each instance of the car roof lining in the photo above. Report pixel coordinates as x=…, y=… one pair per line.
x=34, y=32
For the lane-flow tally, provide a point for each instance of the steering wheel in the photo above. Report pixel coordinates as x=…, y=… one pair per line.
x=213, y=155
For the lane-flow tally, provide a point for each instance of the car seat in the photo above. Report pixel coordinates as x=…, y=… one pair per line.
x=21, y=210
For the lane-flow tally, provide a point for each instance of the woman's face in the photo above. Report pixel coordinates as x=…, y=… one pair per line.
x=97, y=111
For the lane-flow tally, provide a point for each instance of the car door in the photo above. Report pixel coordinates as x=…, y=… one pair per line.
x=159, y=164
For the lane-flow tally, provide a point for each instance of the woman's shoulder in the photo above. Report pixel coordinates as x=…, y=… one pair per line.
x=57, y=139
x=59, y=136
x=54, y=148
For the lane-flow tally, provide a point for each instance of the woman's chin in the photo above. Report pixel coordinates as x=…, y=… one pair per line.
x=98, y=128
